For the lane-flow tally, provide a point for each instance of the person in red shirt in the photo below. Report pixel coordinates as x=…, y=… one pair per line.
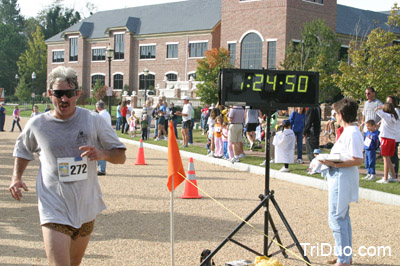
x=124, y=111
x=203, y=120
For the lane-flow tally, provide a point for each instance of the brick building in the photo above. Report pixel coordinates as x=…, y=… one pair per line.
x=168, y=39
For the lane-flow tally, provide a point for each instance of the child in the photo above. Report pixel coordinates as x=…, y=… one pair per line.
x=219, y=145
x=315, y=165
x=210, y=135
x=330, y=125
x=284, y=142
x=371, y=144
x=144, y=125
x=389, y=127
x=132, y=124
x=225, y=139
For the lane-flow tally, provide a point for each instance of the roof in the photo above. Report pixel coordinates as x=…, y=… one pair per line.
x=353, y=21
x=183, y=16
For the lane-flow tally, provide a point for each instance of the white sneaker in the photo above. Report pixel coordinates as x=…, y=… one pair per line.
x=393, y=180
x=284, y=169
x=300, y=161
x=242, y=155
x=263, y=163
x=234, y=160
x=211, y=154
x=367, y=177
x=371, y=177
x=382, y=181
x=157, y=139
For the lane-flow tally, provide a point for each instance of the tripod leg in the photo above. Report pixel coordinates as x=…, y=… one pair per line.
x=278, y=238
x=296, y=241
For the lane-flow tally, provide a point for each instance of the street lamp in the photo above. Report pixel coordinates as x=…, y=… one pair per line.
x=109, y=55
x=16, y=82
x=32, y=93
x=146, y=74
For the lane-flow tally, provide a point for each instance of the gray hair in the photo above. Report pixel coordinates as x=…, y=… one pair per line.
x=62, y=73
x=100, y=104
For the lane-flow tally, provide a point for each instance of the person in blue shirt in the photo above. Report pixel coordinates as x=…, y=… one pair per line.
x=297, y=119
x=371, y=144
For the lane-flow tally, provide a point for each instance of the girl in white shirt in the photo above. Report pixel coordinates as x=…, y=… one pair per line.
x=388, y=133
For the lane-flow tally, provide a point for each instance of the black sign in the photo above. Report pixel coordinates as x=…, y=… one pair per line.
x=272, y=89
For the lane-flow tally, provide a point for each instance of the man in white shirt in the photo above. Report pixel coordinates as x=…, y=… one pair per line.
x=369, y=108
x=104, y=114
x=186, y=120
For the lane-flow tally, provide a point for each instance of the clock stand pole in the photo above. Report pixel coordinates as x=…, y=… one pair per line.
x=268, y=196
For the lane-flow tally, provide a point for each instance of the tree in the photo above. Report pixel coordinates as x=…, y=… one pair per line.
x=34, y=60
x=10, y=14
x=57, y=18
x=317, y=51
x=208, y=70
x=375, y=62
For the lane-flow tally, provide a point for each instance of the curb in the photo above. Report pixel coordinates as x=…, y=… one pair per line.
x=364, y=193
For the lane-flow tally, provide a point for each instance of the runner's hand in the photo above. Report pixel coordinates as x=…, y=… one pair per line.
x=15, y=189
x=91, y=152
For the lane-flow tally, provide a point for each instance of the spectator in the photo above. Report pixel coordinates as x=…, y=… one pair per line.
x=219, y=145
x=48, y=108
x=119, y=117
x=16, y=118
x=235, y=132
x=388, y=132
x=284, y=142
x=371, y=144
x=124, y=111
x=3, y=112
x=369, y=108
x=186, y=120
x=191, y=124
x=251, y=120
x=35, y=111
x=174, y=118
x=297, y=119
x=395, y=157
x=315, y=165
x=343, y=179
x=312, y=129
x=203, y=120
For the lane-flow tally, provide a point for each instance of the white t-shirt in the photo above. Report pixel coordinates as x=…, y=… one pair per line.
x=369, y=111
x=350, y=143
x=187, y=109
x=284, y=142
x=103, y=113
x=389, y=126
x=70, y=203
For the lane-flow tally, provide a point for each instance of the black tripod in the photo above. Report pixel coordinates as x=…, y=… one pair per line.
x=268, y=196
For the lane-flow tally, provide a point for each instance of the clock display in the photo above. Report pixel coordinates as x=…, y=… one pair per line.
x=268, y=88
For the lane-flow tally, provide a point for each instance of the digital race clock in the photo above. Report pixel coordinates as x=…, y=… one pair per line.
x=268, y=89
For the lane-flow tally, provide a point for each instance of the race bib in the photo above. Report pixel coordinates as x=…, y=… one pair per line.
x=217, y=129
x=71, y=169
x=367, y=142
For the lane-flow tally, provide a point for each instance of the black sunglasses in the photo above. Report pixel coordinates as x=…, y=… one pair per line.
x=61, y=93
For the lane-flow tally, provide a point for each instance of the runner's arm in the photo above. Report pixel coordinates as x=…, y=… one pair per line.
x=20, y=165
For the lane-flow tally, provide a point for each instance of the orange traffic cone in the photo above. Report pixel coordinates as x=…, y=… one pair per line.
x=140, y=155
x=191, y=192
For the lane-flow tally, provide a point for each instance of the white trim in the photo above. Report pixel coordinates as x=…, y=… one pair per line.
x=247, y=1
x=148, y=44
x=271, y=40
x=58, y=50
x=116, y=73
x=251, y=31
x=98, y=61
x=70, y=37
x=198, y=41
x=171, y=58
x=118, y=60
x=296, y=40
x=57, y=63
x=100, y=47
x=72, y=62
x=230, y=42
x=314, y=2
x=100, y=74
x=196, y=57
x=171, y=43
x=150, y=73
x=191, y=72
x=147, y=59
x=171, y=72
x=119, y=32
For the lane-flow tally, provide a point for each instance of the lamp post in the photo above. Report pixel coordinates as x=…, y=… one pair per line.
x=146, y=74
x=109, y=55
x=16, y=82
x=32, y=93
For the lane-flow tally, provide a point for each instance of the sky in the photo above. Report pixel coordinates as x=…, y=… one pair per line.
x=30, y=8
